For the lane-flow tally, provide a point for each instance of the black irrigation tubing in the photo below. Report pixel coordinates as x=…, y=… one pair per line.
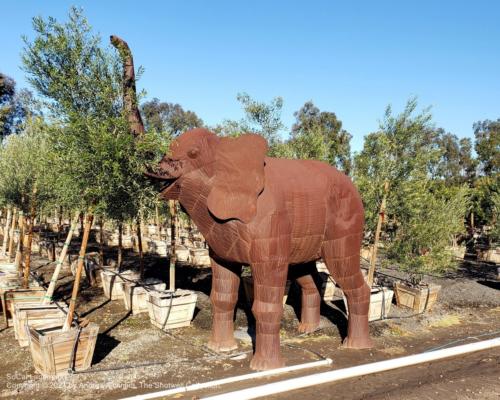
x=144, y=286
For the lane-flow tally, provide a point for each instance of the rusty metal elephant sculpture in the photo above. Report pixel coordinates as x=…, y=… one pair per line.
x=270, y=214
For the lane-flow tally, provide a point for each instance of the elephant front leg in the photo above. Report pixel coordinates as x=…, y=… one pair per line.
x=269, y=288
x=224, y=295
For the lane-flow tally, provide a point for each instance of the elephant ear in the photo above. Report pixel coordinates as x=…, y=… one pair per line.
x=238, y=177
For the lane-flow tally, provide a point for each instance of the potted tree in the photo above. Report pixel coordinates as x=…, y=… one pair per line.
x=94, y=159
x=421, y=245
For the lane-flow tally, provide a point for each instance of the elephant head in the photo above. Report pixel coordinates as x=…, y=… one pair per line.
x=232, y=167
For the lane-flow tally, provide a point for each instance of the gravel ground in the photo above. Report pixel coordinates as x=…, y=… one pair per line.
x=134, y=357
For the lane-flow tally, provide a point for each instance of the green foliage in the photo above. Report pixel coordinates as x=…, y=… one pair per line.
x=66, y=64
x=487, y=146
x=261, y=118
x=485, y=190
x=96, y=164
x=455, y=164
x=495, y=228
x=319, y=135
x=23, y=168
x=427, y=227
x=168, y=118
x=400, y=151
x=13, y=106
x=424, y=214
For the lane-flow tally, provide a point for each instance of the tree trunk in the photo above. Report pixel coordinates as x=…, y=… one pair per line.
x=129, y=91
x=55, y=276
x=120, y=247
x=29, y=241
x=139, y=242
x=101, y=243
x=81, y=226
x=6, y=233
x=59, y=221
x=27, y=260
x=371, y=271
x=157, y=221
x=78, y=275
x=19, y=250
x=173, y=232
x=12, y=229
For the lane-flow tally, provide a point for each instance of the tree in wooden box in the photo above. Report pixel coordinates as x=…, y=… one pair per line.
x=56, y=352
x=399, y=166
x=136, y=294
x=168, y=310
x=36, y=316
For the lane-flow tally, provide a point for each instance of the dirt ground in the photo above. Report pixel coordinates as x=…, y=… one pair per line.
x=133, y=357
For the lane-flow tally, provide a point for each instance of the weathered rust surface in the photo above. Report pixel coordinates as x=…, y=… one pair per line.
x=129, y=89
x=268, y=213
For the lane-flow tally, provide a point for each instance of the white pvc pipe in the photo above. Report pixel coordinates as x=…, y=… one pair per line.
x=336, y=375
x=218, y=382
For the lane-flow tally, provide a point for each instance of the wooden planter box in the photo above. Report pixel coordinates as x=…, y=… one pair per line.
x=418, y=299
x=18, y=296
x=135, y=295
x=489, y=255
x=158, y=247
x=9, y=280
x=248, y=288
x=169, y=310
x=38, y=316
x=182, y=253
x=457, y=251
x=51, y=349
x=6, y=266
x=380, y=303
x=112, y=283
x=327, y=290
x=199, y=257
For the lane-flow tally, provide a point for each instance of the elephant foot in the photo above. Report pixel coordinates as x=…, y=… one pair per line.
x=222, y=346
x=357, y=343
x=261, y=363
x=308, y=327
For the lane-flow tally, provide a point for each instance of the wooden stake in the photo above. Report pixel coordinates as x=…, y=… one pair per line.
x=19, y=249
x=173, y=232
x=139, y=243
x=371, y=271
x=120, y=246
x=6, y=233
x=157, y=221
x=59, y=221
x=55, y=275
x=101, y=243
x=78, y=275
x=12, y=229
x=29, y=240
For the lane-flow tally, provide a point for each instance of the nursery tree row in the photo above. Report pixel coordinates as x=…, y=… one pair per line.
x=71, y=147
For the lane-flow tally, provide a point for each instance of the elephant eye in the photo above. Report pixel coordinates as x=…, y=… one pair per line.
x=193, y=153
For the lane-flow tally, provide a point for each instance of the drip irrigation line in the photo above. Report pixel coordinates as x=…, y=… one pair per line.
x=320, y=356
x=476, y=337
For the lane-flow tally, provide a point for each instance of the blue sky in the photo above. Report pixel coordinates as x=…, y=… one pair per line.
x=352, y=58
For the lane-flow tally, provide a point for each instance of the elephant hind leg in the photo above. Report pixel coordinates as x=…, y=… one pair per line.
x=311, y=302
x=341, y=255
